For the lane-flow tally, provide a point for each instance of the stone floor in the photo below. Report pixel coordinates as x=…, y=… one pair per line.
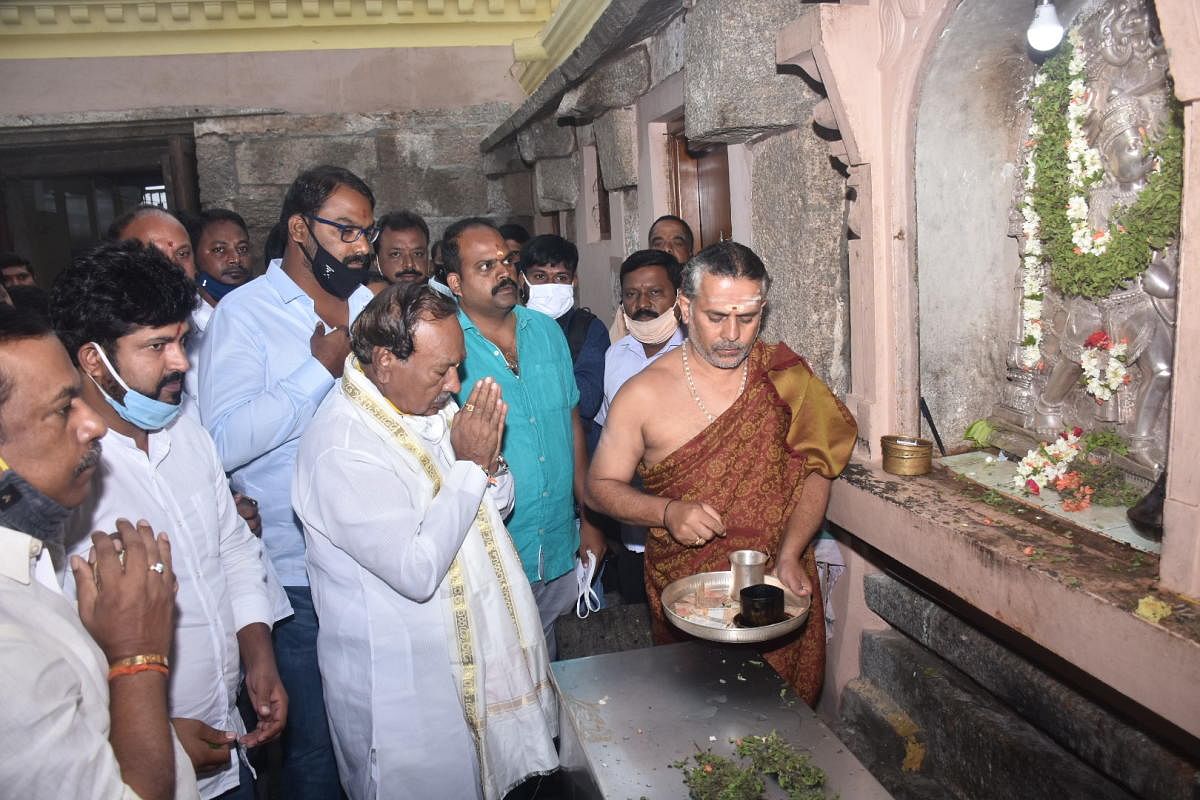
x=998, y=475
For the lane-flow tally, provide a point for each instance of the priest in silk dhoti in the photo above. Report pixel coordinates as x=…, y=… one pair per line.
x=736, y=442
x=430, y=646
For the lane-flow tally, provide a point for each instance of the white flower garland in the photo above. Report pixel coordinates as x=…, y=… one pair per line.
x=1032, y=271
x=1083, y=161
x=1103, y=363
x=1047, y=463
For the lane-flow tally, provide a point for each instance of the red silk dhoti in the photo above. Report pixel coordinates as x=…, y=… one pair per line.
x=750, y=465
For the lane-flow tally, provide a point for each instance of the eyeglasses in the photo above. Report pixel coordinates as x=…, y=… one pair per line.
x=349, y=233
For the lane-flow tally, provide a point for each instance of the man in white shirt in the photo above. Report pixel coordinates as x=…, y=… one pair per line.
x=123, y=315
x=431, y=647
x=271, y=353
x=649, y=294
x=64, y=730
x=156, y=227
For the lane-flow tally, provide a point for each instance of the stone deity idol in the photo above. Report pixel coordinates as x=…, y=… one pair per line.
x=1128, y=106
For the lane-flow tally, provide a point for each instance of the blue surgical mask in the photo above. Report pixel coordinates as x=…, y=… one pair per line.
x=138, y=409
x=216, y=289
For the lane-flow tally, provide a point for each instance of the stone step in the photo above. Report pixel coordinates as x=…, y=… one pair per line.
x=887, y=741
x=1095, y=735
x=972, y=743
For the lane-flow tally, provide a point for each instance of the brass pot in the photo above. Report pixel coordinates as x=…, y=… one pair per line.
x=906, y=455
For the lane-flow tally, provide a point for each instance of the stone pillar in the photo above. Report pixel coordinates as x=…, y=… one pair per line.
x=1180, y=566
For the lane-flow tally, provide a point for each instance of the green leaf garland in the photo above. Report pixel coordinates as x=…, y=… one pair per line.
x=1150, y=224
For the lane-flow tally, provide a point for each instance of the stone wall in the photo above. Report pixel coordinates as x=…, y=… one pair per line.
x=799, y=232
x=425, y=161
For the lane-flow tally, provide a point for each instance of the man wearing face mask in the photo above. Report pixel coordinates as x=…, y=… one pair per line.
x=547, y=265
x=122, y=312
x=649, y=303
x=71, y=725
x=649, y=288
x=221, y=248
x=273, y=351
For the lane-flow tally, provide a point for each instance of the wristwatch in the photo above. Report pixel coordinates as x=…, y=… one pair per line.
x=492, y=475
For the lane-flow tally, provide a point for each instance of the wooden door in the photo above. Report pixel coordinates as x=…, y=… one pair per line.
x=700, y=187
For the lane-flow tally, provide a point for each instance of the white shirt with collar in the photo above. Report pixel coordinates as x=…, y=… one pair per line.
x=55, y=719
x=259, y=388
x=201, y=315
x=625, y=358
x=179, y=487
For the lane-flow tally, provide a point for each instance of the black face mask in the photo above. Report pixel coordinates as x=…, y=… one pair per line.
x=215, y=288
x=23, y=508
x=333, y=275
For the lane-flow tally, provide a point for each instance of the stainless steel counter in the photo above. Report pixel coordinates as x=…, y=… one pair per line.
x=626, y=716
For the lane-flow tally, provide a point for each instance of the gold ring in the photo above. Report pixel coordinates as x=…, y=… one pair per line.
x=158, y=567
x=698, y=542
x=469, y=407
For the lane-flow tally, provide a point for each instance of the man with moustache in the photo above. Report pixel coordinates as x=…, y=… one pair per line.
x=156, y=227
x=744, y=461
x=65, y=730
x=526, y=353
x=122, y=311
x=673, y=235
x=402, y=249
x=274, y=349
x=221, y=248
x=401, y=586
x=649, y=302
x=649, y=311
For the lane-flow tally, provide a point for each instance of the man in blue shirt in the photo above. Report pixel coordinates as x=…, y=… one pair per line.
x=544, y=444
x=547, y=266
x=271, y=353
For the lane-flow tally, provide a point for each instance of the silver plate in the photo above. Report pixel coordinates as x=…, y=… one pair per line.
x=797, y=607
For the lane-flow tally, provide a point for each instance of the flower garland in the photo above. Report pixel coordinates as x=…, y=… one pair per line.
x=1060, y=168
x=1084, y=167
x=1046, y=463
x=1032, y=273
x=1103, y=362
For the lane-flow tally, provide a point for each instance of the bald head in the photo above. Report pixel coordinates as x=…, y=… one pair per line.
x=160, y=229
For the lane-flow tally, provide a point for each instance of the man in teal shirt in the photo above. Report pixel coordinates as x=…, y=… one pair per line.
x=526, y=353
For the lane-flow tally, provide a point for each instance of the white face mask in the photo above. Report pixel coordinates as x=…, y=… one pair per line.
x=552, y=299
x=653, y=331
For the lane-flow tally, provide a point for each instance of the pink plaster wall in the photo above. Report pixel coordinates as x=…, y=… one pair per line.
x=852, y=619
x=321, y=81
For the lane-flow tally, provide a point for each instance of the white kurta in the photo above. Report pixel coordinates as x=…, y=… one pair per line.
x=55, y=721
x=378, y=554
x=179, y=487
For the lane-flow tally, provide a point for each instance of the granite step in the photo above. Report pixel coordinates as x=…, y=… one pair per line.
x=1097, y=736
x=972, y=743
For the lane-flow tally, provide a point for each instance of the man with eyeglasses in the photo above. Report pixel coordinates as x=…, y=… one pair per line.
x=544, y=444
x=273, y=350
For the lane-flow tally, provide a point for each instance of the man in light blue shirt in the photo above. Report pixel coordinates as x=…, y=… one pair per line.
x=649, y=293
x=272, y=351
x=526, y=353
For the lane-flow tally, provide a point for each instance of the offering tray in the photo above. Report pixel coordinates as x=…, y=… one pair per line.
x=720, y=630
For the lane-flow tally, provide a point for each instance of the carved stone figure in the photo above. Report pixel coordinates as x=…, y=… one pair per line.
x=1128, y=105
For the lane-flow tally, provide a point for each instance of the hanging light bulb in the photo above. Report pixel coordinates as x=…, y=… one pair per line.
x=1045, y=32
